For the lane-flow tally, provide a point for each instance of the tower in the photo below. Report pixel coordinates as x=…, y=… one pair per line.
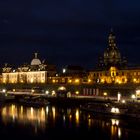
x=111, y=56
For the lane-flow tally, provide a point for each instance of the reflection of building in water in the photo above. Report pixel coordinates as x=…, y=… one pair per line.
x=77, y=115
x=115, y=129
x=34, y=116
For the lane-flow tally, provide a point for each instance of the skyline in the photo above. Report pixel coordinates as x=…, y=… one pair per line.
x=72, y=32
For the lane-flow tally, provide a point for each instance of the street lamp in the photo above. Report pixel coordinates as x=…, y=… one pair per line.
x=105, y=94
x=133, y=97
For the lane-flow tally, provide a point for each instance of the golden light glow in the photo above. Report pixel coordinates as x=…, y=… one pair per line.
x=134, y=80
x=34, y=116
x=105, y=93
x=53, y=93
x=77, y=80
x=69, y=81
x=89, y=80
x=14, y=90
x=61, y=88
x=32, y=80
x=119, y=132
x=123, y=101
x=77, y=116
x=77, y=92
x=53, y=81
x=102, y=80
x=115, y=122
x=32, y=90
x=133, y=96
x=53, y=113
x=47, y=92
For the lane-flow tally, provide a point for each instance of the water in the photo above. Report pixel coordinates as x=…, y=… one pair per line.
x=19, y=122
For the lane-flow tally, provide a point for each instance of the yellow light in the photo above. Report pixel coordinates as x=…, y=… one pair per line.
x=53, y=113
x=134, y=80
x=53, y=93
x=70, y=81
x=32, y=80
x=89, y=80
x=77, y=115
x=53, y=81
x=32, y=90
x=14, y=90
x=120, y=82
x=62, y=88
x=105, y=93
x=47, y=92
x=102, y=80
x=77, y=92
x=123, y=101
x=115, y=122
x=77, y=80
x=133, y=96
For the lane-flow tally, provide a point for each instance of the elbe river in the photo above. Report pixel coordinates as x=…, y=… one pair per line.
x=63, y=123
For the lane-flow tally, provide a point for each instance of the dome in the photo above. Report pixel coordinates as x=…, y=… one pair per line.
x=35, y=61
x=112, y=54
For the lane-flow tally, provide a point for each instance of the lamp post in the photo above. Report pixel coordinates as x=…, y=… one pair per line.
x=133, y=97
x=105, y=94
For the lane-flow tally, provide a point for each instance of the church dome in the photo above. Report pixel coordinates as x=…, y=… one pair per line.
x=112, y=53
x=35, y=61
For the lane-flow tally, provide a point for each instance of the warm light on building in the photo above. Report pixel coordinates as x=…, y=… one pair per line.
x=36, y=72
x=61, y=88
x=102, y=80
x=77, y=81
x=69, y=81
x=89, y=80
x=134, y=80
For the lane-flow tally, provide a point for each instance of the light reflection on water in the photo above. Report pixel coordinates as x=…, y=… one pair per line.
x=44, y=118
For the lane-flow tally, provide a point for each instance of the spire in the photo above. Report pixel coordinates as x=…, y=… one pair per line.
x=111, y=30
x=111, y=39
x=36, y=55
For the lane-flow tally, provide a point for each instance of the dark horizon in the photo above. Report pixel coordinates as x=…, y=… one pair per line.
x=73, y=32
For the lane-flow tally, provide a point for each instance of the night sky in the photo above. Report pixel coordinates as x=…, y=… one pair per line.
x=67, y=31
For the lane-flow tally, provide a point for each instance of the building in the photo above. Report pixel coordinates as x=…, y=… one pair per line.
x=71, y=74
x=112, y=67
x=36, y=72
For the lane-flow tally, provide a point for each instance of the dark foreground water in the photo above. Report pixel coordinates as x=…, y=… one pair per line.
x=19, y=122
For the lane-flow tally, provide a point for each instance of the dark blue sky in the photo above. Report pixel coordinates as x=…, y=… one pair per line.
x=67, y=31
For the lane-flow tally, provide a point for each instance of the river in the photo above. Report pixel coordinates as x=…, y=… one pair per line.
x=62, y=123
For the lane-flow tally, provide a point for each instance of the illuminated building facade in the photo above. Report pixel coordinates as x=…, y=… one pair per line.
x=71, y=74
x=36, y=72
x=112, y=68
